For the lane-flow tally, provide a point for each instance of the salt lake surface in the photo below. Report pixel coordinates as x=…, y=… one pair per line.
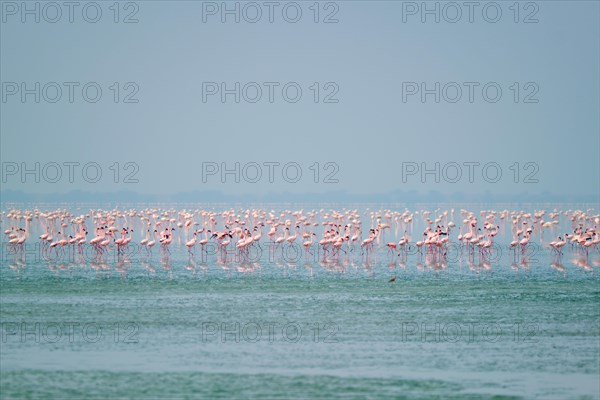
x=181, y=325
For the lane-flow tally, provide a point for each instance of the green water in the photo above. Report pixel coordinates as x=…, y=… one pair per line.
x=325, y=334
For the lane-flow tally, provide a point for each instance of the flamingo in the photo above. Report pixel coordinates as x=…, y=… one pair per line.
x=151, y=243
x=307, y=244
x=524, y=242
x=204, y=241
x=191, y=243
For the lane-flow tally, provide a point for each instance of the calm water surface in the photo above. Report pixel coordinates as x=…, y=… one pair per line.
x=199, y=326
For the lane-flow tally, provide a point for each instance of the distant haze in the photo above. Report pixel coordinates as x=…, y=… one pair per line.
x=374, y=136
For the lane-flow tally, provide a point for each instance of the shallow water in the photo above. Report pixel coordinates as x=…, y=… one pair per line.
x=180, y=325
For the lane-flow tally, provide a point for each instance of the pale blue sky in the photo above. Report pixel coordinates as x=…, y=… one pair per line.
x=368, y=133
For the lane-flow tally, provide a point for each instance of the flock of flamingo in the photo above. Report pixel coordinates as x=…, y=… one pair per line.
x=330, y=233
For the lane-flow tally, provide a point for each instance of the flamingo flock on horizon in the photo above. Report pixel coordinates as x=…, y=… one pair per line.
x=332, y=232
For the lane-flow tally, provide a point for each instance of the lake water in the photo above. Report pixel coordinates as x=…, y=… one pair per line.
x=181, y=325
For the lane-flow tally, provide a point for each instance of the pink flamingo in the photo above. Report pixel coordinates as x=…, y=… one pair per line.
x=204, y=241
x=191, y=243
x=307, y=244
x=152, y=243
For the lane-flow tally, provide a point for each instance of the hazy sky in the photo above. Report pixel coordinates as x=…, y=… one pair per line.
x=374, y=61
